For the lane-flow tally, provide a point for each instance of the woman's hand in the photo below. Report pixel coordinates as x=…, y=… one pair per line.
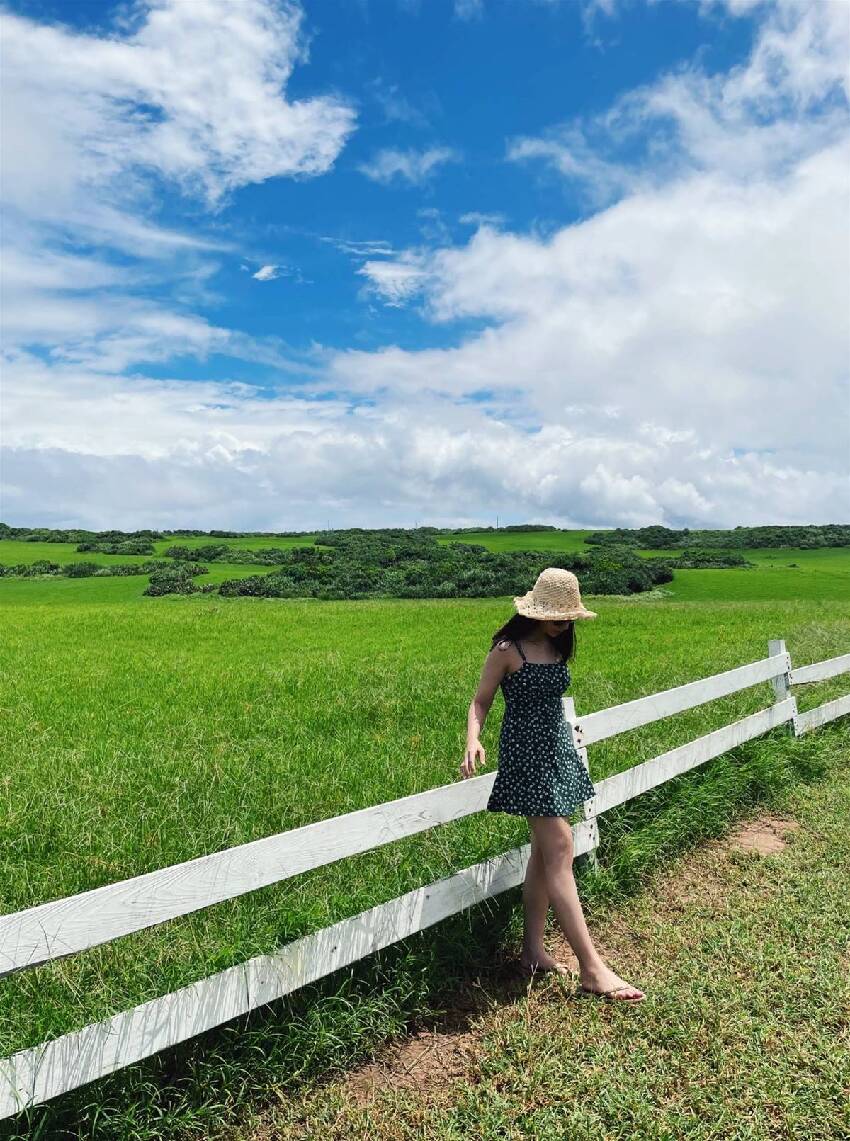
x=474, y=753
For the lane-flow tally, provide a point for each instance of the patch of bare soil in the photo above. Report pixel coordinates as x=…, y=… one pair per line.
x=765, y=835
x=427, y=1058
x=432, y=1058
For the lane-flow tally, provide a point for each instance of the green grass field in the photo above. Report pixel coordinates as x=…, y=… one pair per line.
x=13, y=551
x=138, y=732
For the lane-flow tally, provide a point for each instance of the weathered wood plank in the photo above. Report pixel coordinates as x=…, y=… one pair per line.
x=52, y=1068
x=819, y=671
x=632, y=714
x=813, y=718
x=640, y=778
x=775, y=647
x=781, y=683
x=89, y=918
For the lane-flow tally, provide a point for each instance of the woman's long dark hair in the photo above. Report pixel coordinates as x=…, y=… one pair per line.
x=520, y=625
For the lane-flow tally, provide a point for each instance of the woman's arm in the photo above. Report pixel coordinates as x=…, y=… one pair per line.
x=494, y=669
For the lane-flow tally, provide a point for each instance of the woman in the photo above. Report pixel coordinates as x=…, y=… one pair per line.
x=541, y=776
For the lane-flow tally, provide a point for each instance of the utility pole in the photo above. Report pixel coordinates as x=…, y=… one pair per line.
x=497, y=522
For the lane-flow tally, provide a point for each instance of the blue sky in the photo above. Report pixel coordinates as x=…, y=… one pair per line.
x=269, y=264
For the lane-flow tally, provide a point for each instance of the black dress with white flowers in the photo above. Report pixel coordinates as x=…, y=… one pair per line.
x=540, y=772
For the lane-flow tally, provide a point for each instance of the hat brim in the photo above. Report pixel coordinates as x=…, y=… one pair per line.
x=523, y=606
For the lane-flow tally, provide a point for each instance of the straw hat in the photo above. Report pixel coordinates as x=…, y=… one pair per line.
x=555, y=596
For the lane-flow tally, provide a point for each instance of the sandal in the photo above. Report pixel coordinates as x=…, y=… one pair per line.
x=557, y=969
x=606, y=994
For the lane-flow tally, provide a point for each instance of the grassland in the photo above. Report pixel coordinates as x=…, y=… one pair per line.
x=13, y=551
x=137, y=732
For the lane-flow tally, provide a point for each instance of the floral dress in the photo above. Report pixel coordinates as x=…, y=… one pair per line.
x=540, y=773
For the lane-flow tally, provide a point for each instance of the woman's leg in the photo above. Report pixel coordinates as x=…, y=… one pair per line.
x=554, y=841
x=535, y=900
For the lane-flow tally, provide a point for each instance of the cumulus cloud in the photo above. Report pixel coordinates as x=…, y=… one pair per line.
x=680, y=355
x=267, y=273
x=175, y=453
x=711, y=297
x=410, y=166
x=194, y=93
x=189, y=96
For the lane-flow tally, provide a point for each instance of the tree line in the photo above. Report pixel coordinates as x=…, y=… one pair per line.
x=810, y=536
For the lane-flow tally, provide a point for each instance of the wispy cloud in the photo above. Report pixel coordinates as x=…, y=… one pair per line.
x=398, y=107
x=476, y=218
x=469, y=9
x=409, y=166
x=396, y=282
x=267, y=273
x=367, y=248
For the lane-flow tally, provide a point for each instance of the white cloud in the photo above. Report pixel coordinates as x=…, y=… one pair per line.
x=691, y=342
x=680, y=356
x=194, y=93
x=267, y=273
x=188, y=95
x=377, y=248
x=469, y=9
x=397, y=107
x=711, y=305
x=753, y=122
x=407, y=165
x=476, y=218
x=104, y=449
x=395, y=281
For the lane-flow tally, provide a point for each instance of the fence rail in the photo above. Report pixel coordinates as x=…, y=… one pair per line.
x=66, y=926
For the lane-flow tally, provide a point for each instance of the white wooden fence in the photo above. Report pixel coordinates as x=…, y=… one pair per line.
x=66, y=926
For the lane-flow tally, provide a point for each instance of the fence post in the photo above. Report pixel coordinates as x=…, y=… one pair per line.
x=782, y=683
x=588, y=808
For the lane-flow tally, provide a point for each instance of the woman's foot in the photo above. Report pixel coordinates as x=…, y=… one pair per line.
x=541, y=961
x=603, y=981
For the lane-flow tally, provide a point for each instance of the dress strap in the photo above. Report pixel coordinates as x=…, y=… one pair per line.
x=521, y=654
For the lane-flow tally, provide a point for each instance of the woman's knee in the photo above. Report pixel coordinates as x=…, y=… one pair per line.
x=555, y=847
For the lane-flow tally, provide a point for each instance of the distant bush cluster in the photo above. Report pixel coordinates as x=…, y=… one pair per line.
x=176, y=579
x=86, y=569
x=404, y=564
x=117, y=547
x=715, y=560
x=662, y=538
